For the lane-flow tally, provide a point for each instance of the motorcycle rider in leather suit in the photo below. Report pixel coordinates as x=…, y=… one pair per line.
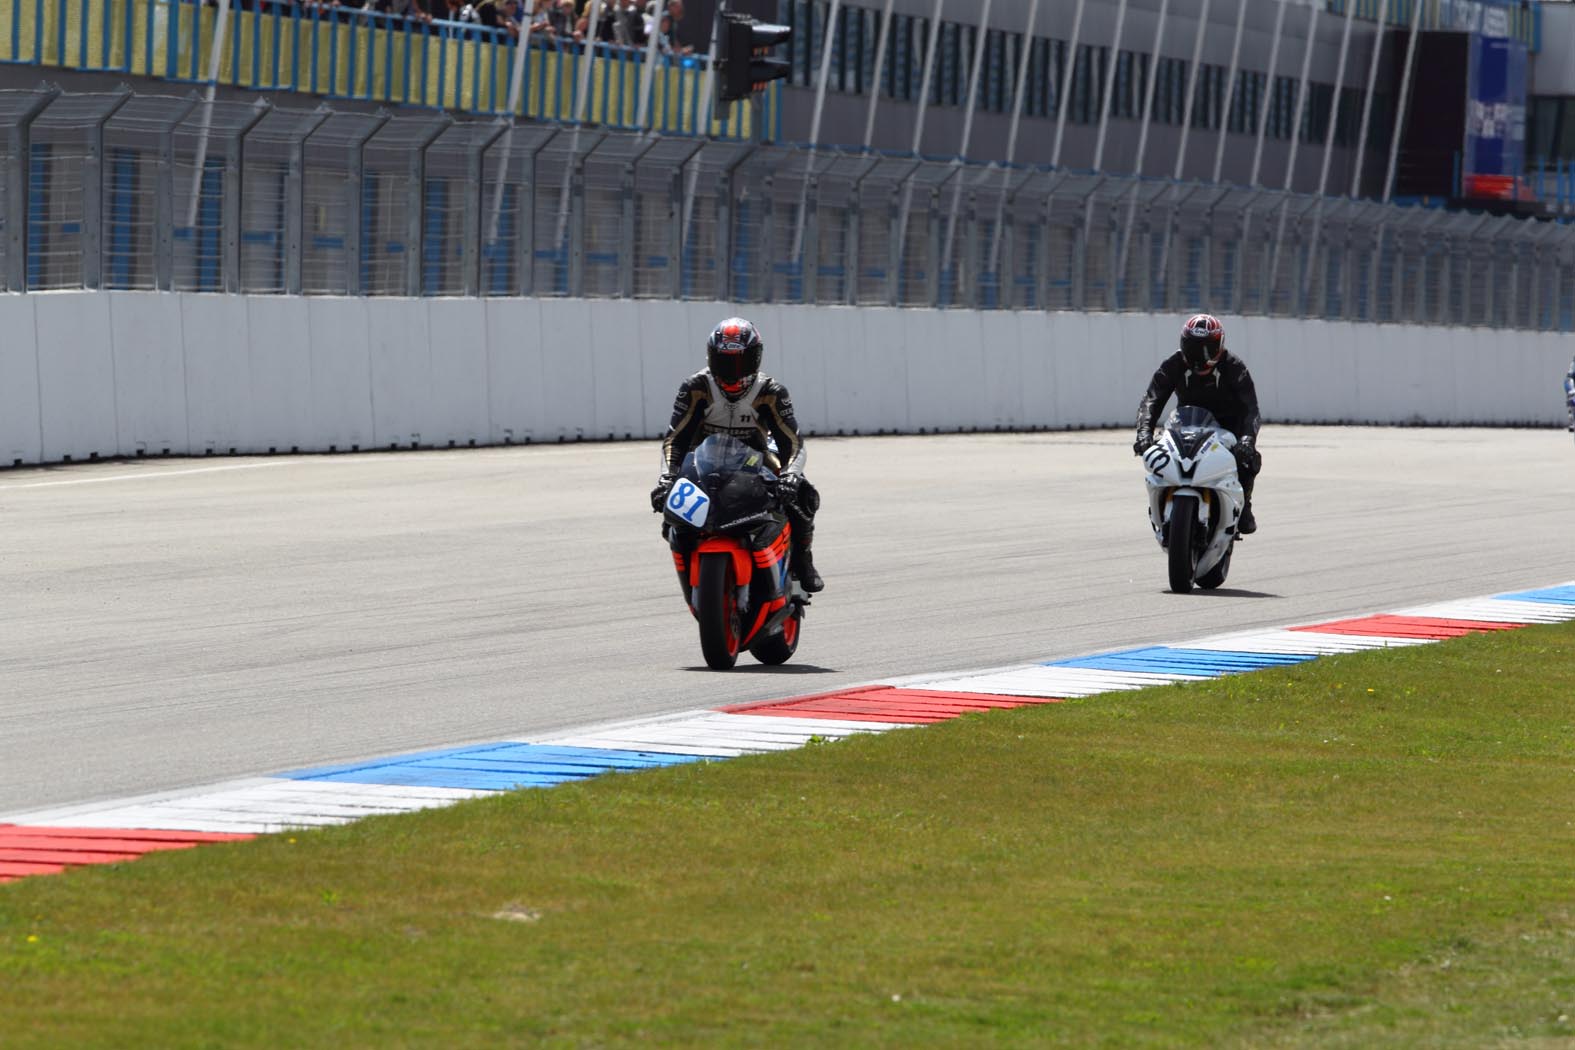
x=1203, y=373
x=733, y=396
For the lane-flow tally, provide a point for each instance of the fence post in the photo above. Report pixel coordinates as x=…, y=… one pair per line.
x=93, y=194
x=809, y=255
x=164, y=201
x=1043, y=289
x=629, y=246
x=525, y=235
x=852, y=259
x=894, y=219
x=576, y=231
x=726, y=185
x=476, y=178
x=415, y=216
x=295, y=198
x=355, y=177
x=768, y=242
x=967, y=266
x=932, y=269
x=19, y=154
x=234, y=181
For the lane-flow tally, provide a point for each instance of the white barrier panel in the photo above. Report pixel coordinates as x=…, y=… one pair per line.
x=612, y=343
x=76, y=377
x=670, y=351
x=342, y=375
x=1001, y=373
x=21, y=440
x=150, y=375
x=123, y=373
x=400, y=355
x=279, y=355
x=217, y=354
x=568, y=375
x=458, y=413
x=515, y=405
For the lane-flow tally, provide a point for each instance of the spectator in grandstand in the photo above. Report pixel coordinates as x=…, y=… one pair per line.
x=603, y=33
x=667, y=32
x=460, y=11
x=629, y=24
x=412, y=10
x=541, y=18
x=499, y=14
x=561, y=18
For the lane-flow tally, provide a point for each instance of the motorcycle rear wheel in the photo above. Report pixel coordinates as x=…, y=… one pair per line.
x=717, y=611
x=780, y=647
x=1183, y=559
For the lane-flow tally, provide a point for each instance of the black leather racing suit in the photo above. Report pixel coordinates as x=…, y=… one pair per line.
x=763, y=411
x=1226, y=392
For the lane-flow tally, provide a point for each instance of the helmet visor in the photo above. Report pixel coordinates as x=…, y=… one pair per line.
x=1199, y=352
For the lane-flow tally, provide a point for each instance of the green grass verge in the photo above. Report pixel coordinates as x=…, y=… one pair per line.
x=1368, y=851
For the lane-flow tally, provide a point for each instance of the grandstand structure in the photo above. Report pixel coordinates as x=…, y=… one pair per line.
x=1025, y=154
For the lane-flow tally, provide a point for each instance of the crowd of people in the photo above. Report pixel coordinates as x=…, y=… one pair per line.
x=623, y=23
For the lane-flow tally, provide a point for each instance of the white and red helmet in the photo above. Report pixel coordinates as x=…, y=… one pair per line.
x=1202, y=342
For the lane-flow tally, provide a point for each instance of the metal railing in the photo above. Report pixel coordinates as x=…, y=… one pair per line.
x=128, y=191
x=352, y=53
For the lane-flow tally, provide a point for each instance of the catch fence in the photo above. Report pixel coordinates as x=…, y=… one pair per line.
x=128, y=191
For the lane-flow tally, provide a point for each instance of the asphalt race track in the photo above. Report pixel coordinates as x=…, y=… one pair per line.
x=175, y=623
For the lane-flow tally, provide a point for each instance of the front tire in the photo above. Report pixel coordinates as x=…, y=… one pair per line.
x=718, y=611
x=1183, y=560
x=1216, y=576
x=780, y=647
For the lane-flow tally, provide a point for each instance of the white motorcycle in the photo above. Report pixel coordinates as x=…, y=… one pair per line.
x=1569, y=396
x=1195, y=499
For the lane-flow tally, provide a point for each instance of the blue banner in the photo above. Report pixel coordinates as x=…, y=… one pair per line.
x=1495, y=144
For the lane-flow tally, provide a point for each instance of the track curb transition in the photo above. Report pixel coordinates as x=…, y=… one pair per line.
x=60, y=839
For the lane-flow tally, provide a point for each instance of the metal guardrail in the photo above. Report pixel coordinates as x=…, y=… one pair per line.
x=351, y=53
x=128, y=191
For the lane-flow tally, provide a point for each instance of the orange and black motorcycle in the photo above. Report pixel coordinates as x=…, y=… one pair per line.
x=731, y=545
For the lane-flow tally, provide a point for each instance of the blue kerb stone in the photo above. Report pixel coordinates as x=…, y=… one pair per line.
x=491, y=767
x=1163, y=659
x=1550, y=595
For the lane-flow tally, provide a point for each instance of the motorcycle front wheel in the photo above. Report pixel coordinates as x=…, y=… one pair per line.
x=1183, y=559
x=1216, y=576
x=718, y=611
x=780, y=647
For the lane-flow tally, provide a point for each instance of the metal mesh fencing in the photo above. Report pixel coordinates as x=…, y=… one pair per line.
x=122, y=191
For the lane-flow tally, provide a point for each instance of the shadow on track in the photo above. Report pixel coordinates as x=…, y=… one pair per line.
x=782, y=669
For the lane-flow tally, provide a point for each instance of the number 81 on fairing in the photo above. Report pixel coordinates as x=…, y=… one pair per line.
x=689, y=503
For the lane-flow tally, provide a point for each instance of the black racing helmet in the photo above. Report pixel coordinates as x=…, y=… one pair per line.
x=733, y=355
x=1202, y=343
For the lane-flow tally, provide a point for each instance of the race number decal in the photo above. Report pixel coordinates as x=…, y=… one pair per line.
x=1156, y=460
x=689, y=503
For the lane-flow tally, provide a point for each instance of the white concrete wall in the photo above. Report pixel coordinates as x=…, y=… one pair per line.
x=95, y=375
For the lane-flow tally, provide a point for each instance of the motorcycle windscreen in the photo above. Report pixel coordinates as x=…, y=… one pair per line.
x=1190, y=427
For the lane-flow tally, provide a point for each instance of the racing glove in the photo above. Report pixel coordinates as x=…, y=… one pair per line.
x=1246, y=452
x=659, y=494
x=1143, y=442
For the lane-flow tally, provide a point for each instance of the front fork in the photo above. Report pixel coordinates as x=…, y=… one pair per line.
x=1162, y=502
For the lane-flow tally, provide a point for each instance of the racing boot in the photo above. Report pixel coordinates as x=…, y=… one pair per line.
x=1248, y=524
x=804, y=570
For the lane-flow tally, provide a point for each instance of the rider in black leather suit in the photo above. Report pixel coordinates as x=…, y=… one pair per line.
x=732, y=396
x=1203, y=373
